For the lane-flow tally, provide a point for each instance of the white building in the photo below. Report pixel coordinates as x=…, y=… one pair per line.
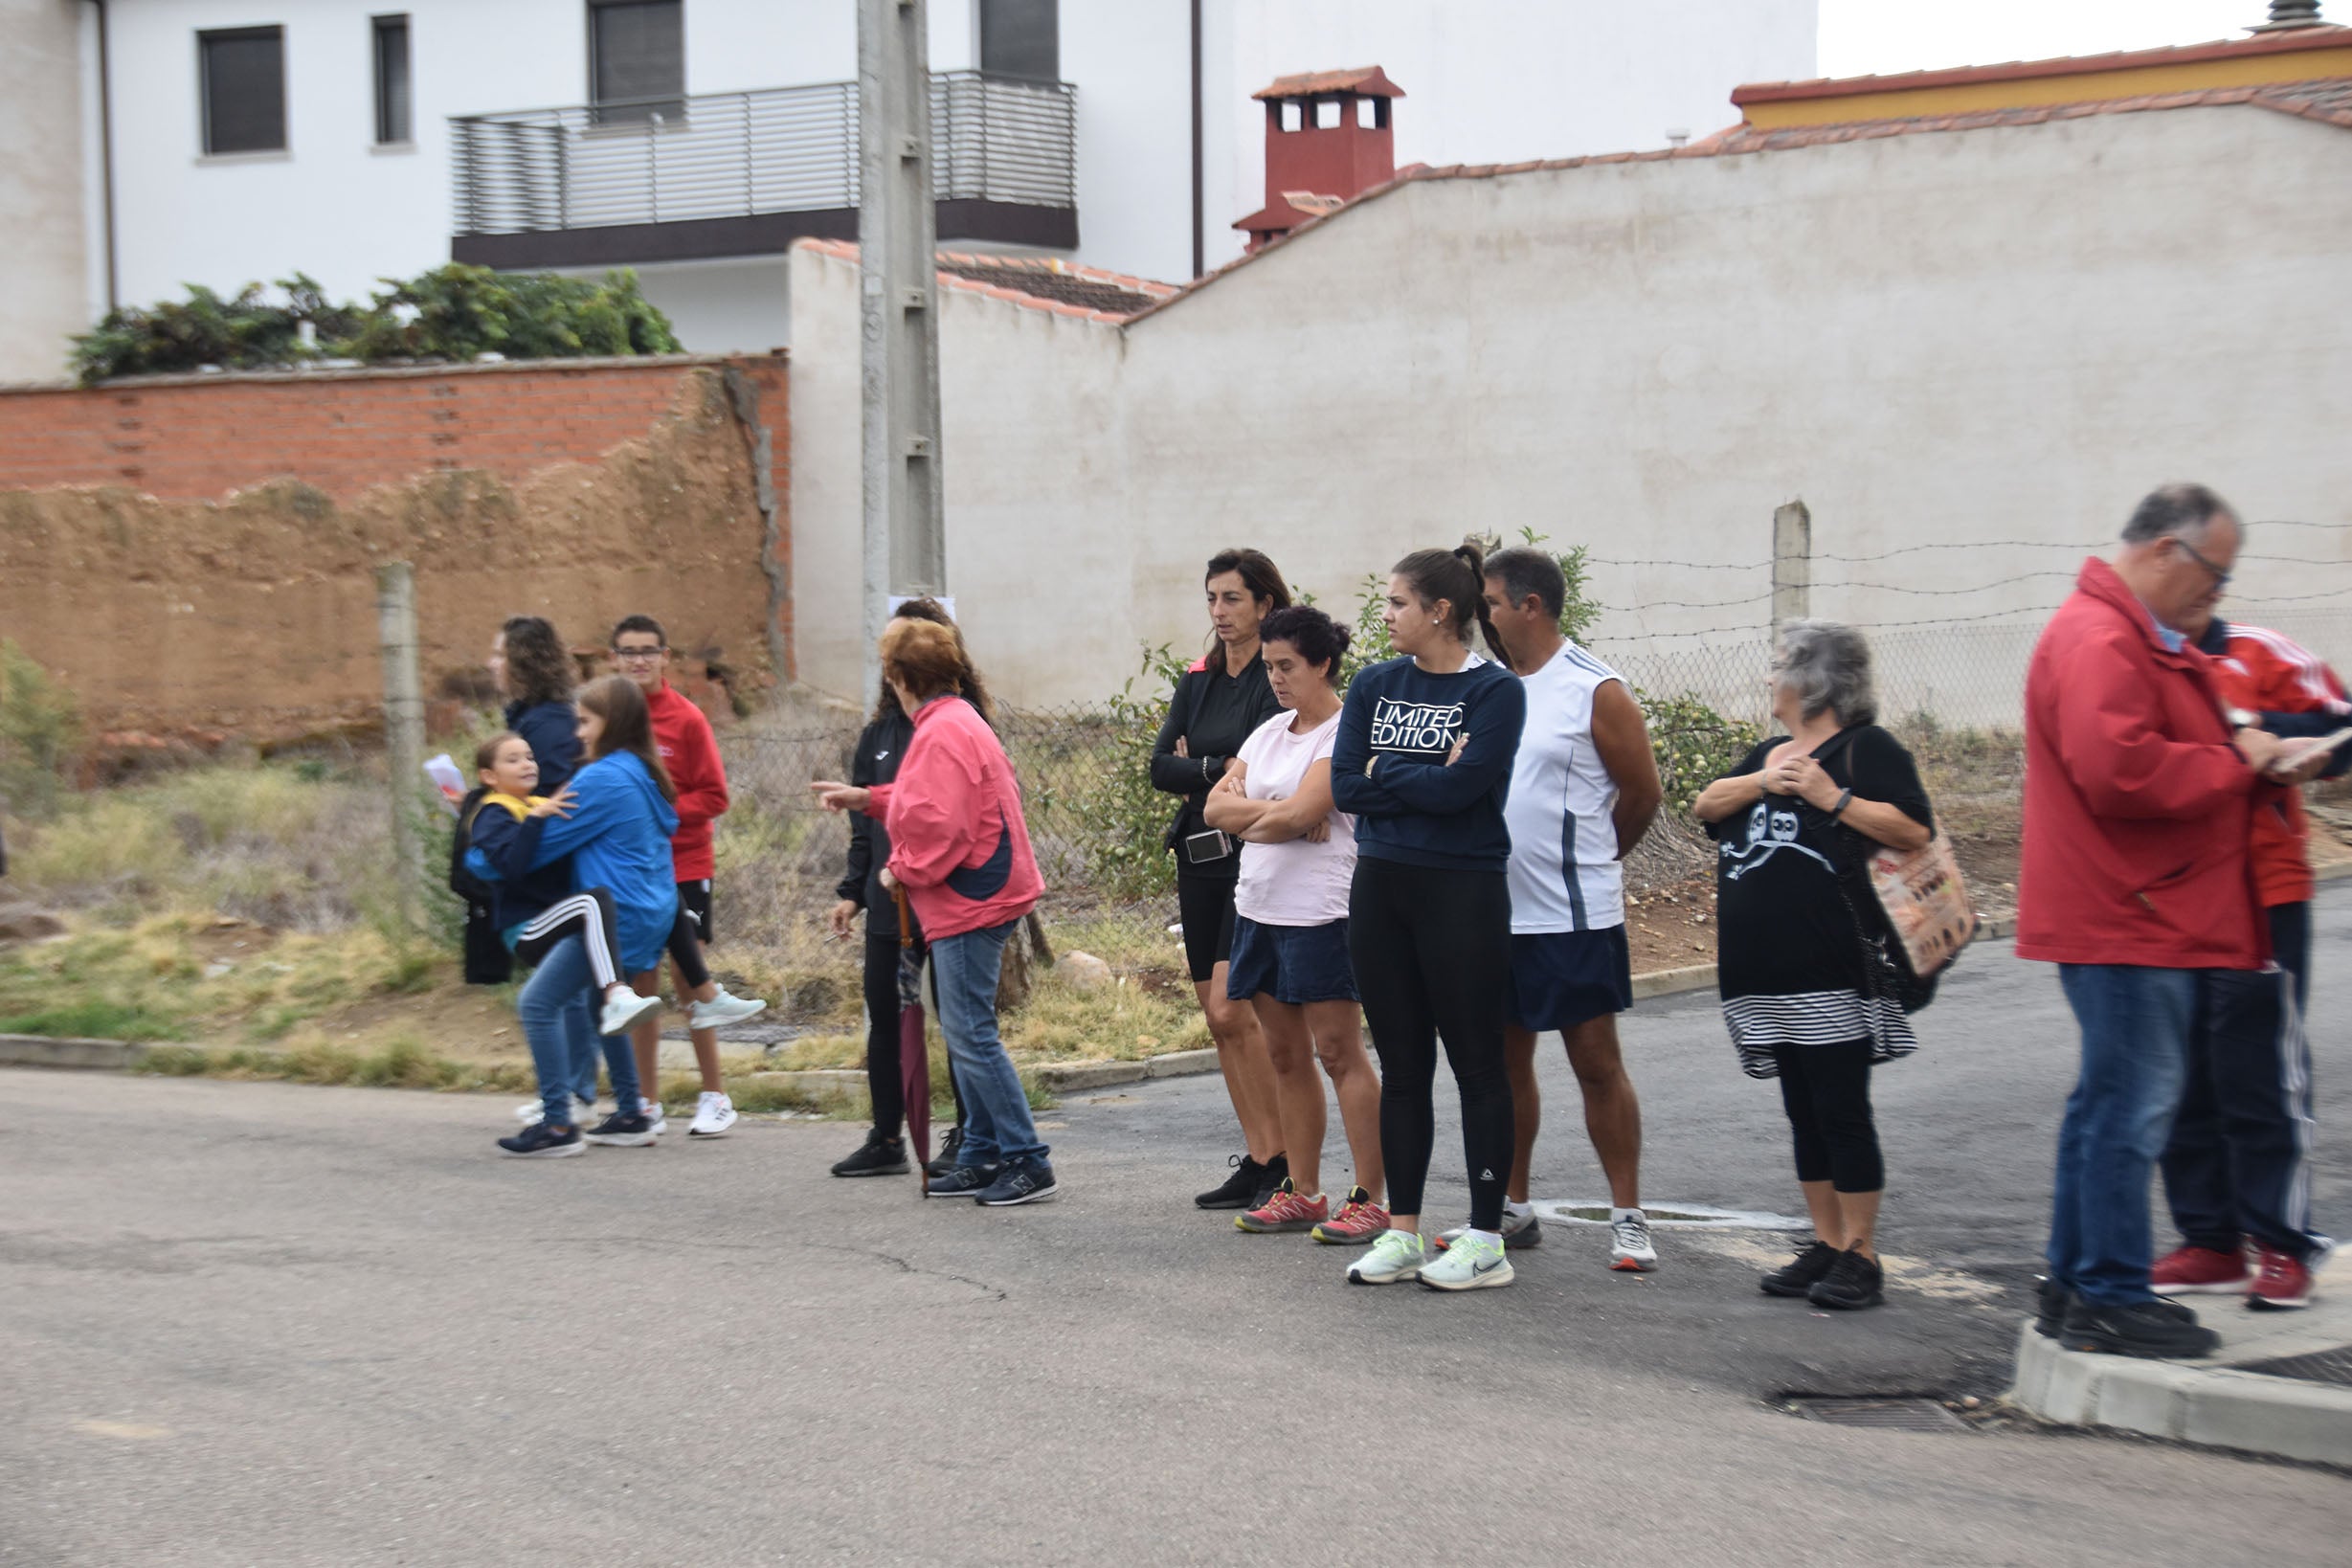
x=234, y=141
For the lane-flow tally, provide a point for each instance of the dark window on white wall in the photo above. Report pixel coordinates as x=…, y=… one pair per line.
x=637, y=50
x=1021, y=38
x=393, y=116
x=243, y=76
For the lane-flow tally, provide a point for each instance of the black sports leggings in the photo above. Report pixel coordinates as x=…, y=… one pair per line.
x=589, y=915
x=1431, y=949
x=882, y=1064
x=1827, y=1092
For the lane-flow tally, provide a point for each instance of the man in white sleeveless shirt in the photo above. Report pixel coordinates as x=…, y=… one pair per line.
x=1583, y=793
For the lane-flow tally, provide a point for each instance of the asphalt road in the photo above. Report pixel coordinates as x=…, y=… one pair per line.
x=249, y=1323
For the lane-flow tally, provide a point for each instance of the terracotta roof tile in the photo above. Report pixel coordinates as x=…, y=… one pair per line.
x=1368, y=81
x=2328, y=100
x=1033, y=283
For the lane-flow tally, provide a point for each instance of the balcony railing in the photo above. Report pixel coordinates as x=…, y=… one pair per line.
x=704, y=160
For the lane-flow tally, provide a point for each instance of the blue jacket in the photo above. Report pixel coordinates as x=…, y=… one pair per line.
x=618, y=838
x=1415, y=808
x=553, y=730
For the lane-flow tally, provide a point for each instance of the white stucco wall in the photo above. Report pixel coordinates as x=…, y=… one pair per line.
x=1490, y=79
x=44, y=271
x=1996, y=340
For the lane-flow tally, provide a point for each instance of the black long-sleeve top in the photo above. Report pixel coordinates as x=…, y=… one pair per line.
x=1212, y=712
x=552, y=729
x=880, y=746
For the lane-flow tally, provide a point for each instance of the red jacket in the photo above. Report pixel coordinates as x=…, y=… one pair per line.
x=691, y=753
x=2266, y=673
x=958, y=840
x=2138, y=808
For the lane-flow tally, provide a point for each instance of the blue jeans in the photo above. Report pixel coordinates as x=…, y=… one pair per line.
x=2135, y=1025
x=997, y=1123
x=557, y=1008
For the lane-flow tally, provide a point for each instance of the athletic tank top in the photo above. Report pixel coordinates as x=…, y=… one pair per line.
x=1564, y=872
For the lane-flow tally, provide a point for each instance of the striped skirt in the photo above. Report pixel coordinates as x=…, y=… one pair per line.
x=1760, y=1023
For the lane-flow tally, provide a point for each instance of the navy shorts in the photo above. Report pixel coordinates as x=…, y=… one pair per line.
x=1560, y=979
x=1293, y=964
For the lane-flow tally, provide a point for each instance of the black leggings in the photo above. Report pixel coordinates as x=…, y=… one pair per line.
x=1431, y=949
x=1827, y=1092
x=882, y=1080
x=588, y=915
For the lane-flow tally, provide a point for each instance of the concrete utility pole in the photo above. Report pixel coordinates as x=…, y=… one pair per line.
x=1792, y=566
x=905, y=546
x=404, y=727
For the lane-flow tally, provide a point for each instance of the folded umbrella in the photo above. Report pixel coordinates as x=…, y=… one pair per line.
x=915, y=1051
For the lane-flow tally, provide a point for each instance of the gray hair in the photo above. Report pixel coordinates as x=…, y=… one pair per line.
x=1522, y=572
x=1827, y=665
x=2175, y=511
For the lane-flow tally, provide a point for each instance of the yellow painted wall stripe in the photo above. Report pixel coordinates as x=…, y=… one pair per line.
x=2038, y=92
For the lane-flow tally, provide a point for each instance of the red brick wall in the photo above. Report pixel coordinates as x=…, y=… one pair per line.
x=197, y=438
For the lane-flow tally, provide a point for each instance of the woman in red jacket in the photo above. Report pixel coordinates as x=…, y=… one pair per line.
x=959, y=846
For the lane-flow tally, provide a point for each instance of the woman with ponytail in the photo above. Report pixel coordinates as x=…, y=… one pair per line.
x=1422, y=762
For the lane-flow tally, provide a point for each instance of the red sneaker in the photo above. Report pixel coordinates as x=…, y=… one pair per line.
x=2200, y=1271
x=2282, y=1283
x=1358, y=1223
x=1286, y=1210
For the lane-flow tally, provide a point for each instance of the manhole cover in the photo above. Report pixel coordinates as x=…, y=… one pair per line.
x=1587, y=1211
x=1886, y=1415
x=2333, y=1366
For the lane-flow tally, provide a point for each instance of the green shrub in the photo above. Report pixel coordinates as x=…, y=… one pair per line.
x=454, y=312
x=1126, y=819
x=40, y=732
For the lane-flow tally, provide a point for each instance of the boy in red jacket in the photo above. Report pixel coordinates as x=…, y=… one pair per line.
x=2136, y=880
x=2237, y=1169
x=690, y=753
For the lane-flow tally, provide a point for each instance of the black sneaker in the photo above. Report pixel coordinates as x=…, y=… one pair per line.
x=1277, y=1171
x=2051, y=1300
x=2158, y=1330
x=1019, y=1181
x=635, y=1131
x=947, y=1146
x=963, y=1181
x=1237, y=1191
x=1853, y=1281
x=876, y=1156
x=540, y=1141
x=1796, y=1278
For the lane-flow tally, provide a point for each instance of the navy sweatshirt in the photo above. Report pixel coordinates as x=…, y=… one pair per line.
x=553, y=730
x=508, y=843
x=1414, y=808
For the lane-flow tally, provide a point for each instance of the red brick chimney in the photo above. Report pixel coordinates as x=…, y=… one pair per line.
x=1327, y=139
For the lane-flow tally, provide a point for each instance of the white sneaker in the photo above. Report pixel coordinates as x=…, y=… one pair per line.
x=1395, y=1256
x=713, y=1115
x=1518, y=1230
x=1473, y=1262
x=724, y=1008
x=652, y=1107
x=1629, y=1245
x=620, y=1012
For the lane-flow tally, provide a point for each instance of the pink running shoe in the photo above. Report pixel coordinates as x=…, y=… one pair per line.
x=1358, y=1223
x=1286, y=1210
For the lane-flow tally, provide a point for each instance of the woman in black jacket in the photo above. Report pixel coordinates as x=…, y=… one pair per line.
x=880, y=746
x=535, y=674
x=1217, y=702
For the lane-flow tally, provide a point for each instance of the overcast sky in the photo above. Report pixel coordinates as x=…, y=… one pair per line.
x=1859, y=38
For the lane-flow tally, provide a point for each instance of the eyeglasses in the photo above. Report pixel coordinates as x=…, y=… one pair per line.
x=2220, y=578
x=639, y=653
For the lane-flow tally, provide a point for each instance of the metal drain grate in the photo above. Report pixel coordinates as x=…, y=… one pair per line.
x=1886, y=1415
x=2334, y=1366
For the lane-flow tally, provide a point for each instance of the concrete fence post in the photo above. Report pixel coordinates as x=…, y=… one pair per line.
x=1792, y=566
x=404, y=728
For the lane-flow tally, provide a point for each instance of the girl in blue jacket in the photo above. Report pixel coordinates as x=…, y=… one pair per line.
x=616, y=827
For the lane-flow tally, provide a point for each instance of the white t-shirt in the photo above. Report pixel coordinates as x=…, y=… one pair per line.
x=1564, y=871
x=1296, y=883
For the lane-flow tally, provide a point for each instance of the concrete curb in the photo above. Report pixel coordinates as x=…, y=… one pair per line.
x=2220, y=1407
x=74, y=1055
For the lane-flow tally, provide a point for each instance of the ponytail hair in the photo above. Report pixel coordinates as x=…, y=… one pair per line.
x=1318, y=639
x=1459, y=577
x=967, y=683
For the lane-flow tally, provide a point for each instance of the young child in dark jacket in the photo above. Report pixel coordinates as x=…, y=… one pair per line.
x=534, y=909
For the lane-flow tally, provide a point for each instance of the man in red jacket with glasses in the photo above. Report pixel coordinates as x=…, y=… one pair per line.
x=2137, y=882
